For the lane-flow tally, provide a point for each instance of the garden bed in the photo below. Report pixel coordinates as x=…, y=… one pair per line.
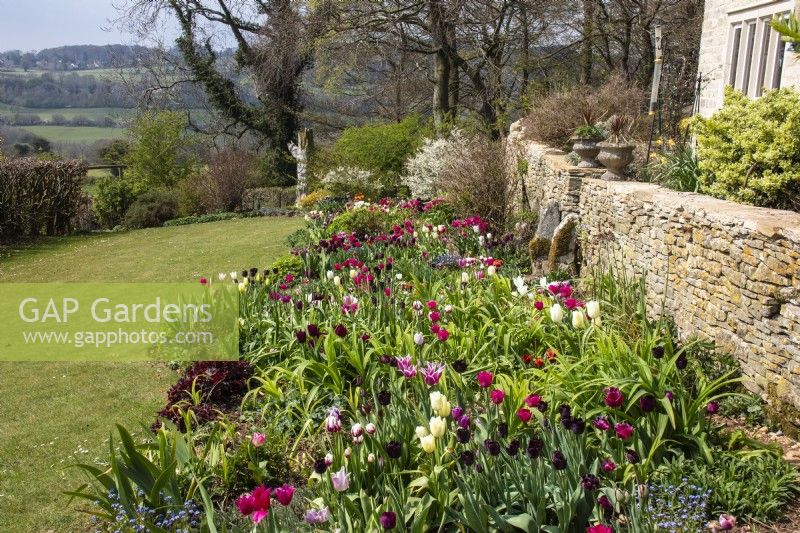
x=423, y=383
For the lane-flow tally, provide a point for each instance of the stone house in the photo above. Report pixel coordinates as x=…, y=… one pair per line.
x=739, y=48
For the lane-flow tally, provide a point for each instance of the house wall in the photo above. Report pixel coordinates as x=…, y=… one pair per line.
x=726, y=271
x=714, y=60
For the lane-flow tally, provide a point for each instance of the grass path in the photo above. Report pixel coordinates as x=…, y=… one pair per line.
x=54, y=414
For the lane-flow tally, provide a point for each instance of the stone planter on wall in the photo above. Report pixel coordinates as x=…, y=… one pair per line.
x=587, y=150
x=615, y=157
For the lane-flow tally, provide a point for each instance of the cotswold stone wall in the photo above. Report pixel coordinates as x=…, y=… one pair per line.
x=727, y=271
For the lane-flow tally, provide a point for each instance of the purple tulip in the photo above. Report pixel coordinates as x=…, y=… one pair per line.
x=388, y=520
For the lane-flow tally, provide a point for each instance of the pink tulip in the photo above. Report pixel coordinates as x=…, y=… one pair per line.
x=497, y=396
x=485, y=379
x=258, y=439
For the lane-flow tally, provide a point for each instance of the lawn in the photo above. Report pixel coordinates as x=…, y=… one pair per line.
x=58, y=413
x=46, y=113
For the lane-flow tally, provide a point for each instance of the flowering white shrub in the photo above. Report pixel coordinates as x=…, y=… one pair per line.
x=424, y=168
x=349, y=181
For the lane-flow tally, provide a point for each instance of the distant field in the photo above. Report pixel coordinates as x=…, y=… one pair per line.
x=95, y=113
x=75, y=134
x=104, y=73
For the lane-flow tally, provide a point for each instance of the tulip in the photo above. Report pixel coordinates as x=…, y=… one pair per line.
x=464, y=278
x=485, y=379
x=497, y=396
x=394, y=449
x=347, y=452
x=421, y=431
x=593, y=309
x=431, y=375
x=599, y=528
x=492, y=270
x=234, y=275
x=428, y=443
x=371, y=458
x=578, y=319
x=333, y=424
x=647, y=403
x=613, y=397
x=556, y=313
x=623, y=430
x=727, y=522
x=258, y=439
x=539, y=305
x=524, y=415
x=328, y=459
x=222, y=276
x=608, y=466
x=370, y=428
x=284, y=494
x=443, y=334
x=533, y=400
x=712, y=408
x=419, y=338
x=559, y=461
x=340, y=480
x=440, y=404
x=356, y=430
x=329, y=275
x=602, y=423
x=438, y=426
x=590, y=482
x=388, y=520
x=320, y=516
x=337, y=280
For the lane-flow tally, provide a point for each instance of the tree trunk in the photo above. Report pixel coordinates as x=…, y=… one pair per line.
x=587, y=51
x=441, y=88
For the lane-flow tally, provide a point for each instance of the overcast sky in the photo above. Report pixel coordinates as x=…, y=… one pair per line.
x=37, y=24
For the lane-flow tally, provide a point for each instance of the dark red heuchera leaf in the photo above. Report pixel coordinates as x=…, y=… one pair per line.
x=220, y=384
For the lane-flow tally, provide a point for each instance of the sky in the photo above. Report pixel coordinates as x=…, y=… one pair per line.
x=36, y=24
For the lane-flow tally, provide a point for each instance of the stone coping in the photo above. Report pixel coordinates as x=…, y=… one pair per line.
x=770, y=222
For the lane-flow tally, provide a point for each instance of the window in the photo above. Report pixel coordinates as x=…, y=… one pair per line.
x=755, y=51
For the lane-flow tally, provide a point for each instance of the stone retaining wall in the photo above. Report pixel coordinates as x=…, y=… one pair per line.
x=727, y=271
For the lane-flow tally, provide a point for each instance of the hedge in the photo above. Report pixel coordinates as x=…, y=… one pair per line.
x=39, y=197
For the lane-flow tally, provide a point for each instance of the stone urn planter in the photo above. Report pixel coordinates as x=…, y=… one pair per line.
x=587, y=150
x=615, y=157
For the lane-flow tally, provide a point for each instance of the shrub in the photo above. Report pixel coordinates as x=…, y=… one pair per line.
x=287, y=264
x=554, y=117
x=112, y=198
x=749, y=151
x=39, y=197
x=381, y=149
x=425, y=167
x=311, y=199
x=151, y=209
x=476, y=181
x=223, y=183
x=349, y=181
x=159, y=154
x=362, y=221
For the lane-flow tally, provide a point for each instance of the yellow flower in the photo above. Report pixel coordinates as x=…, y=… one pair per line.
x=428, y=443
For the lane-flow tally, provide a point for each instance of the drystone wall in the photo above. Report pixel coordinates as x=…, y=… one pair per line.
x=726, y=271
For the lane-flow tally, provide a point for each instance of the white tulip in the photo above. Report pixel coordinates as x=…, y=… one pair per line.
x=234, y=275
x=398, y=276
x=329, y=274
x=464, y=277
x=578, y=319
x=421, y=431
x=337, y=280
x=222, y=276
x=593, y=309
x=438, y=426
x=428, y=443
x=556, y=313
x=543, y=282
x=353, y=273
x=492, y=270
x=419, y=338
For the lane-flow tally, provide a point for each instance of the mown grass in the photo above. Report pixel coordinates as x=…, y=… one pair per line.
x=56, y=414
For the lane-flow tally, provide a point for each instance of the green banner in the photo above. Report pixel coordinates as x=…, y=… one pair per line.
x=118, y=322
